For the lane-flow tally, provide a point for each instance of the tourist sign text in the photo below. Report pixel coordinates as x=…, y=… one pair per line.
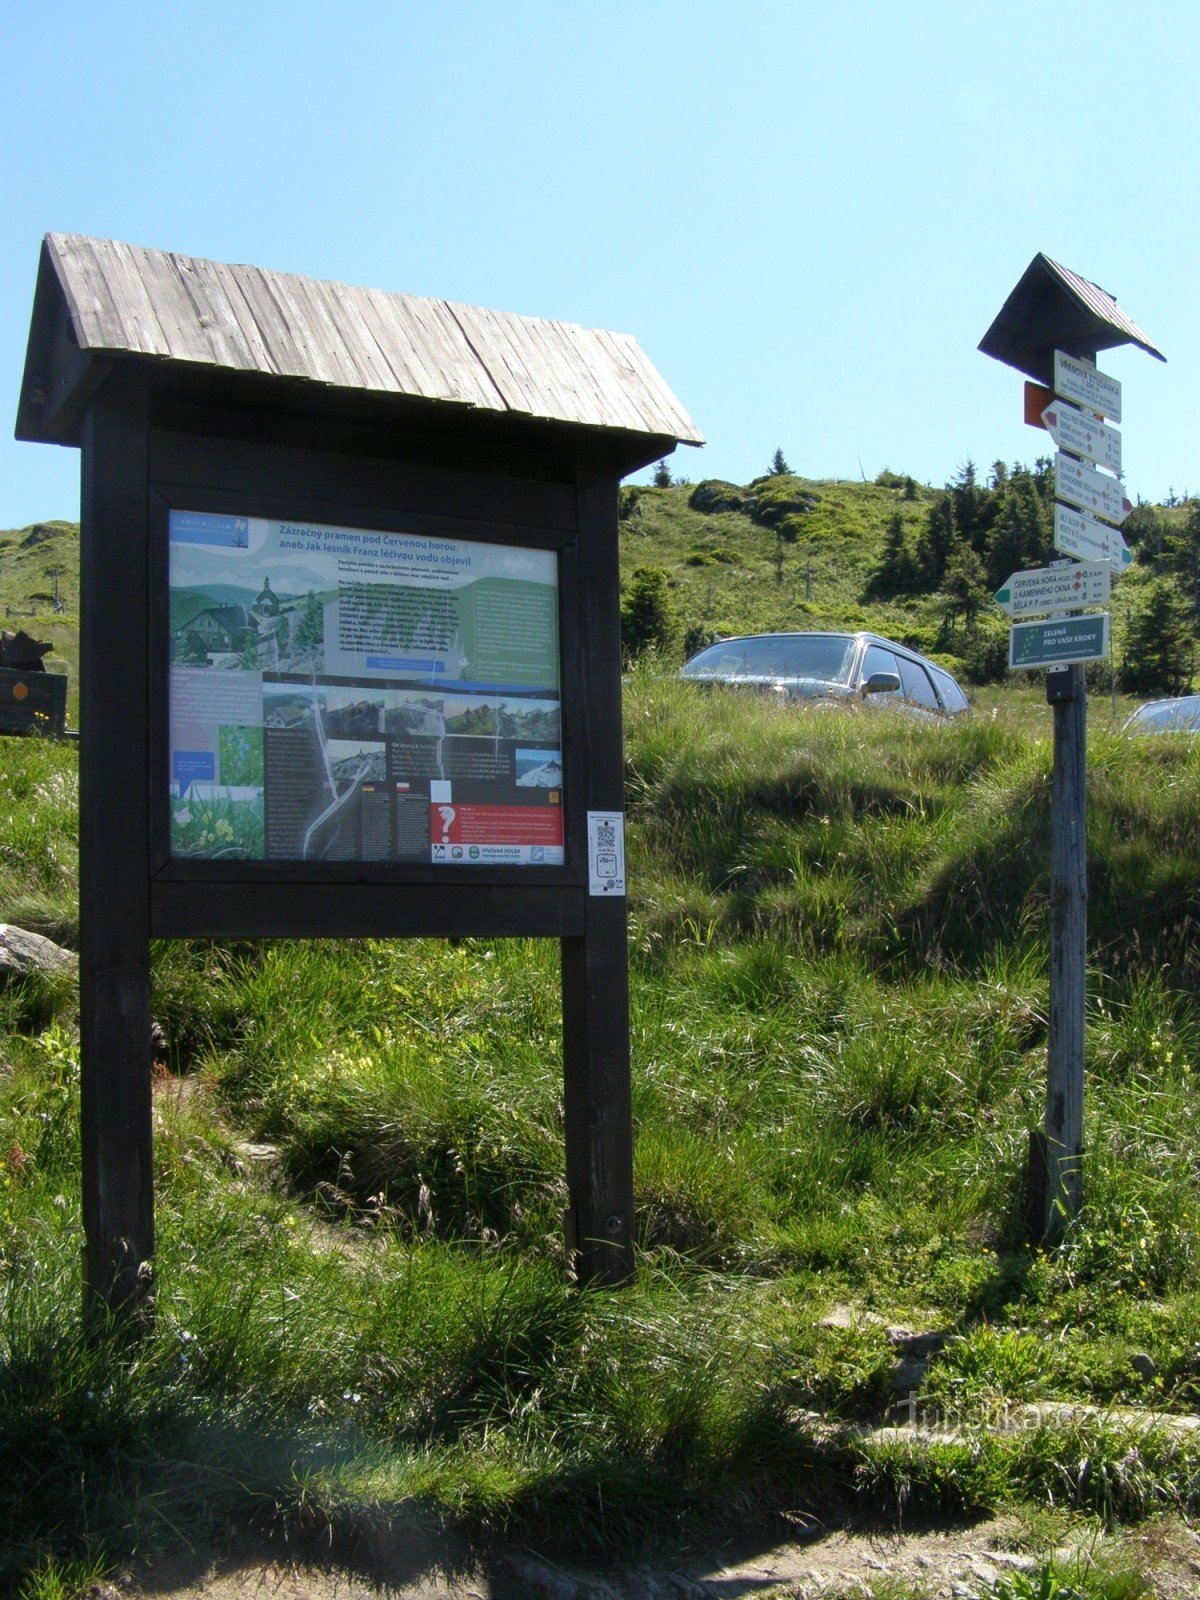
x=1062, y=588
x=1081, y=381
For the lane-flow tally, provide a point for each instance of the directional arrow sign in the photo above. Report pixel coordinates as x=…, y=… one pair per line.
x=1082, y=382
x=1076, y=534
x=1060, y=642
x=1080, y=432
x=1090, y=490
x=1063, y=588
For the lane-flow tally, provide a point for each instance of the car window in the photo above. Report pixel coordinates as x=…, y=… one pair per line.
x=798, y=655
x=1167, y=715
x=953, y=698
x=877, y=659
x=918, y=689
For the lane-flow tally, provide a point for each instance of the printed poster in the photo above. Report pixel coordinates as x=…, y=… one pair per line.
x=338, y=694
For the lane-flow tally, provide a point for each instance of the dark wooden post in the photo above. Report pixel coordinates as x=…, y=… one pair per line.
x=1068, y=953
x=114, y=923
x=595, y=966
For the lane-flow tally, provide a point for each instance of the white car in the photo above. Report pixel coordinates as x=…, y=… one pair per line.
x=830, y=666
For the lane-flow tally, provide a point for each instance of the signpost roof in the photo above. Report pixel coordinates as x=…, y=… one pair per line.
x=99, y=302
x=1054, y=308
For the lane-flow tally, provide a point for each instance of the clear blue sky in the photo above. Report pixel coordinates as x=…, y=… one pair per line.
x=807, y=214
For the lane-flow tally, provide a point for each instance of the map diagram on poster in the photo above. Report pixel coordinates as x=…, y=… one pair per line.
x=338, y=694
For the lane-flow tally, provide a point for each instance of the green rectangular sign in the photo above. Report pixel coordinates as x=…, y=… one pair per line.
x=1059, y=642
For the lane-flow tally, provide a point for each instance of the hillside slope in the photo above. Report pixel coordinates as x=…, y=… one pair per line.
x=799, y=553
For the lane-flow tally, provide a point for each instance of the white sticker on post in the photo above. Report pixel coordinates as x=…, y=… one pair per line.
x=606, y=852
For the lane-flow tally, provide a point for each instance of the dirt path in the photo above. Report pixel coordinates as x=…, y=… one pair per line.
x=957, y=1562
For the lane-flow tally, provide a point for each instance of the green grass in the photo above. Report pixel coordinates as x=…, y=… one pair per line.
x=839, y=1001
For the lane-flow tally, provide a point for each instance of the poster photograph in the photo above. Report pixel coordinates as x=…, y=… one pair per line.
x=342, y=694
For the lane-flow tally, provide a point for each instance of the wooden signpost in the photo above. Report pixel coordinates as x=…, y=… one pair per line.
x=1051, y=328
x=328, y=534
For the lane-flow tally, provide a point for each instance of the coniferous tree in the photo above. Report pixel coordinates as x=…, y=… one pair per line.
x=1160, y=644
x=1142, y=531
x=936, y=541
x=779, y=467
x=964, y=589
x=1021, y=534
x=648, y=620
x=310, y=631
x=971, y=505
x=897, y=571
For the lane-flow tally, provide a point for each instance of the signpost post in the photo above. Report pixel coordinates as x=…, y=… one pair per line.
x=1051, y=328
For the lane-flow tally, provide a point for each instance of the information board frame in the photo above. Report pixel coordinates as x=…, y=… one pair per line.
x=193, y=897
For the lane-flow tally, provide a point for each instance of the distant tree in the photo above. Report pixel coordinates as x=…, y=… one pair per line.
x=935, y=541
x=965, y=590
x=973, y=506
x=1179, y=550
x=1160, y=643
x=1021, y=530
x=1143, y=531
x=897, y=571
x=662, y=476
x=910, y=489
x=310, y=632
x=648, y=623
x=779, y=467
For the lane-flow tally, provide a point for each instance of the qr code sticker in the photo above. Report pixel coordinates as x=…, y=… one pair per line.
x=606, y=836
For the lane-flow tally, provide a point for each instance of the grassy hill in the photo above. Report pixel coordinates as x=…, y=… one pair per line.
x=799, y=555
x=839, y=995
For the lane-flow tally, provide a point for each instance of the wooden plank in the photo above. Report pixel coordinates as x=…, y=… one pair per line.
x=402, y=352
x=233, y=282
x=96, y=315
x=219, y=318
x=290, y=910
x=644, y=387
x=327, y=352
x=374, y=371
x=174, y=307
x=456, y=372
x=143, y=331
x=504, y=366
x=597, y=1098
x=573, y=386
x=272, y=321
x=114, y=902
x=400, y=496
x=617, y=407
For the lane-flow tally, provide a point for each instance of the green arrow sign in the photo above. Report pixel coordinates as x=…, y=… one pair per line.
x=1060, y=642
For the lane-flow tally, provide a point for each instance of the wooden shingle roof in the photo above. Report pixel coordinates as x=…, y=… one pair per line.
x=1052, y=308
x=98, y=298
